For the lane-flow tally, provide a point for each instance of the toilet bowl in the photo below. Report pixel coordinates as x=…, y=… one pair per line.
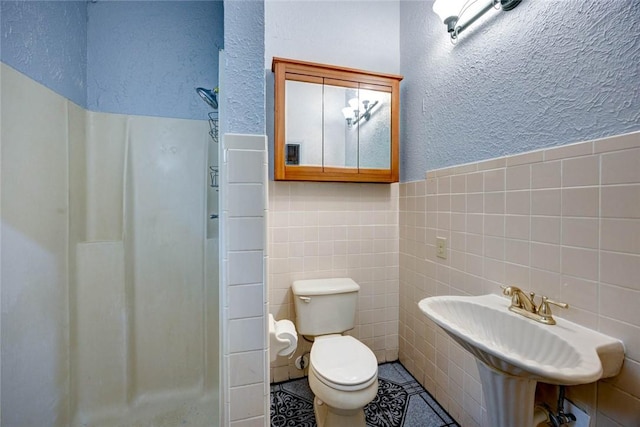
x=343, y=372
x=343, y=375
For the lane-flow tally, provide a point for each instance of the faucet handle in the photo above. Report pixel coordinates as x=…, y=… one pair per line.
x=545, y=311
x=559, y=304
x=510, y=290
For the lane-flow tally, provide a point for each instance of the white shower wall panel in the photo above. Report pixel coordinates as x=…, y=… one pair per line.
x=106, y=158
x=100, y=330
x=35, y=277
x=164, y=240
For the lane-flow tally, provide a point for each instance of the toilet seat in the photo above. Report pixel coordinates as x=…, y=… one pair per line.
x=343, y=363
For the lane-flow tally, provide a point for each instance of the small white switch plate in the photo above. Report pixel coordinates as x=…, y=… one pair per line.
x=441, y=247
x=582, y=419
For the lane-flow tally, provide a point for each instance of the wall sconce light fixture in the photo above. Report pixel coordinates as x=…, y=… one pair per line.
x=451, y=12
x=356, y=111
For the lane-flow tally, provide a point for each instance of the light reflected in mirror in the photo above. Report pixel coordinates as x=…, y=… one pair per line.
x=340, y=140
x=374, y=131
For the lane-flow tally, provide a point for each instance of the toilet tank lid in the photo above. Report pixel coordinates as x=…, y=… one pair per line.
x=324, y=286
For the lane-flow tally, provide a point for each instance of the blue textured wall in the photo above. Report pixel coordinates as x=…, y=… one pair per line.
x=546, y=73
x=146, y=57
x=126, y=57
x=244, y=84
x=48, y=42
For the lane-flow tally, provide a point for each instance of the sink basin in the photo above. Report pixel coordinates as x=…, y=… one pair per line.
x=565, y=353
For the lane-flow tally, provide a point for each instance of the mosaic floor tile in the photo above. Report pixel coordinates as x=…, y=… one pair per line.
x=401, y=402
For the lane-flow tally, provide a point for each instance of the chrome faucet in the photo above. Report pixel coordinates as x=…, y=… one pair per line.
x=525, y=305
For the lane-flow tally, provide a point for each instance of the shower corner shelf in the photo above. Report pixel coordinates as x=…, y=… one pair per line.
x=213, y=126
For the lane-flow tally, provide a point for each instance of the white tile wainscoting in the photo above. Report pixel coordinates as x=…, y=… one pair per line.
x=321, y=230
x=245, y=359
x=563, y=222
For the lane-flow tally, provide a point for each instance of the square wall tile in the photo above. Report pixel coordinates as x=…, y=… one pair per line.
x=621, y=201
x=245, y=166
x=475, y=203
x=620, y=269
x=582, y=232
x=245, y=301
x=622, y=167
x=247, y=402
x=581, y=202
x=475, y=182
x=545, y=229
x=620, y=235
x=245, y=267
x=494, y=225
x=475, y=223
x=458, y=184
x=546, y=175
x=494, y=203
x=545, y=202
x=494, y=180
x=580, y=293
x=517, y=275
x=518, y=177
x=620, y=304
x=579, y=262
x=518, y=202
x=517, y=251
x=245, y=200
x=246, y=368
x=581, y=171
x=245, y=234
x=545, y=257
x=517, y=226
x=246, y=334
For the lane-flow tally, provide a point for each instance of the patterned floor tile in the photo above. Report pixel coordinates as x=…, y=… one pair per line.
x=401, y=402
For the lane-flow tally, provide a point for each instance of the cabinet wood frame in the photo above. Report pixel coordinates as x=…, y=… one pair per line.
x=289, y=69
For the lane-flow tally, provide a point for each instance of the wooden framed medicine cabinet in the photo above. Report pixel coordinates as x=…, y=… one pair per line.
x=335, y=123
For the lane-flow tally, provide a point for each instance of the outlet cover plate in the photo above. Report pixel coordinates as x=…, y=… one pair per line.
x=441, y=247
x=582, y=419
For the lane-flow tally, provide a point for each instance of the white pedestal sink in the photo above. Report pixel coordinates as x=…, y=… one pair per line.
x=514, y=353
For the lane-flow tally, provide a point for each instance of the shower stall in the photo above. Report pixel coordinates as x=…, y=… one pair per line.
x=109, y=265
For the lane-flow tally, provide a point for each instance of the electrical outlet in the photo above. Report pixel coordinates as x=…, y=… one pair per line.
x=441, y=247
x=582, y=419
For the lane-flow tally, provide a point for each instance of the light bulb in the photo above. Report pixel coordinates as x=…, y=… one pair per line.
x=348, y=113
x=447, y=9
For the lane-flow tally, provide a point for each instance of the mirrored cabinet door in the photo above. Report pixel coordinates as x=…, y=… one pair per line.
x=374, y=129
x=303, y=133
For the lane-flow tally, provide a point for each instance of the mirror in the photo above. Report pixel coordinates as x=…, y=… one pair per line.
x=304, y=121
x=335, y=124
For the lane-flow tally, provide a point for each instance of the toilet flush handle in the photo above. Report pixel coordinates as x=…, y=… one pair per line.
x=305, y=299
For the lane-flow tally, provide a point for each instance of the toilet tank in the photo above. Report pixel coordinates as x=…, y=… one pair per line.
x=325, y=306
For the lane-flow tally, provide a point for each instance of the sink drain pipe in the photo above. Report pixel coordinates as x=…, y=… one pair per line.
x=543, y=413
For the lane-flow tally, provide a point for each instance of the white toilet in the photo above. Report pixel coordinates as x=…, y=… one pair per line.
x=343, y=372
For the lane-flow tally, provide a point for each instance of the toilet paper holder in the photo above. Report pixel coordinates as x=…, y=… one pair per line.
x=283, y=338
